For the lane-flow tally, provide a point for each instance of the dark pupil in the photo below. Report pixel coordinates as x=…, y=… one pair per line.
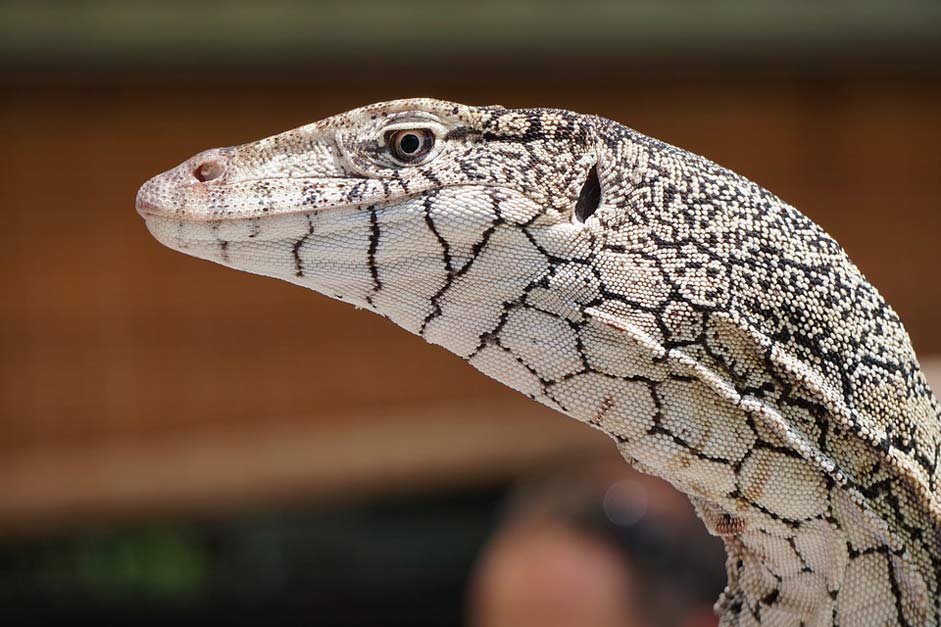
x=410, y=143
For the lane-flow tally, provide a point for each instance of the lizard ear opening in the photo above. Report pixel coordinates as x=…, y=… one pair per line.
x=589, y=197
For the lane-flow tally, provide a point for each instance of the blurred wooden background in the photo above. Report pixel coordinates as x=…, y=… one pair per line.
x=136, y=380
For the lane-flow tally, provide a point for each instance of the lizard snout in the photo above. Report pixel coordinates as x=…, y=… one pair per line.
x=147, y=200
x=182, y=189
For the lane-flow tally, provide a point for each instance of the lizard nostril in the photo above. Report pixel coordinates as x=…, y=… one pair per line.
x=208, y=170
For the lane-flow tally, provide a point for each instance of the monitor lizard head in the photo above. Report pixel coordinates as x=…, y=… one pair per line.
x=383, y=205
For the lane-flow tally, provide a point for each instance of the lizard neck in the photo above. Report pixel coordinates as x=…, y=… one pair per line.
x=802, y=549
x=832, y=571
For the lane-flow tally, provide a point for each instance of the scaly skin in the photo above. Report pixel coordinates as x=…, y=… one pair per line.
x=723, y=340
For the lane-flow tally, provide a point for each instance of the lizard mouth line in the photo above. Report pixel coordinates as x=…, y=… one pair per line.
x=149, y=210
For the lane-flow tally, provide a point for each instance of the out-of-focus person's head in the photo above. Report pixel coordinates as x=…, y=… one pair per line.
x=594, y=545
x=553, y=576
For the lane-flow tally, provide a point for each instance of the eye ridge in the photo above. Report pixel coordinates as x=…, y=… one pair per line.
x=411, y=144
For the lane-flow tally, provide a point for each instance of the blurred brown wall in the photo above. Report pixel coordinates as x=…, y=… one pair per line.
x=105, y=337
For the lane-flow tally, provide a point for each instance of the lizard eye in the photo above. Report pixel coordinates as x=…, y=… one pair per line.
x=410, y=145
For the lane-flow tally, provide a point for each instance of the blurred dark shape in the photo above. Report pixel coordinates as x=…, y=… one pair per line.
x=389, y=562
x=558, y=42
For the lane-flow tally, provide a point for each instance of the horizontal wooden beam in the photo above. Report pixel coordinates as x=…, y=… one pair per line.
x=337, y=459
x=346, y=457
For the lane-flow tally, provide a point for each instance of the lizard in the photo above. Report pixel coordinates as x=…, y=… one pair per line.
x=722, y=339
